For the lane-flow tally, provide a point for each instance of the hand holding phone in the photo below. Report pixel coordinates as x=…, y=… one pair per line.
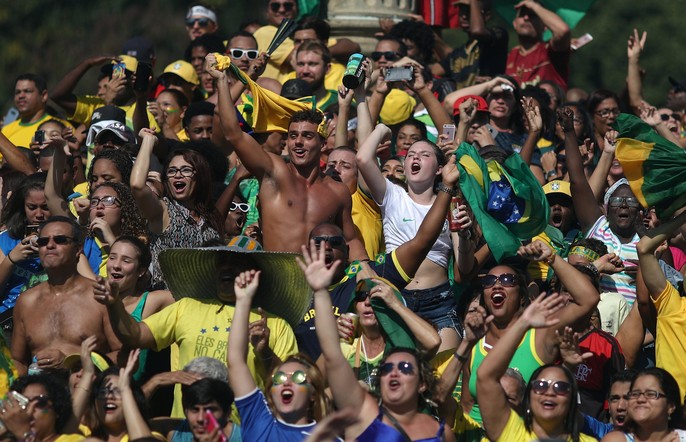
x=119, y=70
x=211, y=424
x=449, y=132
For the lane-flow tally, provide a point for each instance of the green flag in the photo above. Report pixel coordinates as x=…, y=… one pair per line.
x=508, y=202
x=654, y=166
x=570, y=11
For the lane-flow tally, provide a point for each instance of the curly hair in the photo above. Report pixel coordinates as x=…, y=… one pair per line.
x=132, y=222
x=13, y=213
x=121, y=160
x=321, y=405
x=571, y=424
x=202, y=194
x=418, y=32
x=57, y=391
x=427, y=376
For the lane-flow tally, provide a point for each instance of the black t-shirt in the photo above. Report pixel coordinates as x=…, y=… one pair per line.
x=385, y=266
x=484, y=57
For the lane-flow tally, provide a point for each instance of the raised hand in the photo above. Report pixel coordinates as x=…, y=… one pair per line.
x=610, y=143
x=126, y=373
x=384, y=292
x=104, y=292
x=532, y=114
x=635, y=45
x=245, y=285
x=450, y=174
x=568, y=342
x=540, y=313
x=609, y=264
x=211, y=66
x=536, y=251
x=258, y=333
x=476, y=324
x=87, y=346
x=313, y=263
x=565, y=116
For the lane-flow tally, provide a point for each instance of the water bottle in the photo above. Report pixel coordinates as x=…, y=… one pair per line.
x=34, y=368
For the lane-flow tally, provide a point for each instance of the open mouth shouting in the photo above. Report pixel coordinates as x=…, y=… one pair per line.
x=498, y=299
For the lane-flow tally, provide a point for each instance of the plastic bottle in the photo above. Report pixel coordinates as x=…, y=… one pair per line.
x=34, y=368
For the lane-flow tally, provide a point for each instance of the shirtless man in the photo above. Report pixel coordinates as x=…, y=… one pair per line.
x=53, y=318
x=295, y=196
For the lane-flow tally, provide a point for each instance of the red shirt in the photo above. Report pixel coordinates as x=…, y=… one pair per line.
x=540, y=63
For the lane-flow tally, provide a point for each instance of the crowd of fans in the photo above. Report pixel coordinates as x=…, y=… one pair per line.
x=239, y=247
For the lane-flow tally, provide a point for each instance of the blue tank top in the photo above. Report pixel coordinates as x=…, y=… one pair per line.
x=380, y=431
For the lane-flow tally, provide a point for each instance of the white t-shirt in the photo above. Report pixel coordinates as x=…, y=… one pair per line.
x=401, y=220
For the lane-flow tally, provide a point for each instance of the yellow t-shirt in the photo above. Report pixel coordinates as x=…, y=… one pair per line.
x=21, y=134
x=515, y=430
x=201, y=328
x=367, y=219
x=670, y=340
x=332, y=80
x=278, y=64
x=86, y=105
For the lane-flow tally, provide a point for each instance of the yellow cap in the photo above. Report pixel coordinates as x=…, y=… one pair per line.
x=130, y=62
x=398, y=107
x=558, y=186
x=184, y=70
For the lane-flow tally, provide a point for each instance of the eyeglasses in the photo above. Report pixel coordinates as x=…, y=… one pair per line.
x=506, y=280
x=107, y=201
x=616, y=398
x=334, y=241
x=106, y=391
x=560, y=388
x=667, y=117
x=388, y=55
x=649, y=394
x=186, y=171
x=58, y=239
x=606, y=112
x=202, y=22
x=404, y=367
x=239, y=53
x=617, y=201
x=243, y=207
x=288, y=6
x=297, y=377
x=41, y=401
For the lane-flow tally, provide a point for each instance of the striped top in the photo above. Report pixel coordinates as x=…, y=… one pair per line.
x=621, y=283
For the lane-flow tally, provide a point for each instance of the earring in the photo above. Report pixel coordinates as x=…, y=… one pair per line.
x=528, y=412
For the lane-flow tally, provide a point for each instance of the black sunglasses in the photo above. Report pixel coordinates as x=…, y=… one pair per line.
x=405, y=367
x=506, y=280
x=59, y=239
x=42, y=402
x=388, y=55
x=560, y=388
x=288, y=6
x=666, y=117
x=334, y=241
x=202, y=22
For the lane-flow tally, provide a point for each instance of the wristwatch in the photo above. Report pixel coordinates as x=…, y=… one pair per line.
x=550, y=174
x=449, y=190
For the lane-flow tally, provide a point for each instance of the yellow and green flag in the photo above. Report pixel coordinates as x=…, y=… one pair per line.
x=654, y=166
x=508, y=202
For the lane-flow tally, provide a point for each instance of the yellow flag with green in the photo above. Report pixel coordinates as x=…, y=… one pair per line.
x=654, y=166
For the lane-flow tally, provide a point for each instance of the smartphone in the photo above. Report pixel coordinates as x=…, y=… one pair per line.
x=211, y=423
x=119, y=70
x=20, y=398
x=399, y=74
x=449, y=131
x=581, y=41
x=143, y=72
x=30, y=230
x=492, y=131
x=39, y=137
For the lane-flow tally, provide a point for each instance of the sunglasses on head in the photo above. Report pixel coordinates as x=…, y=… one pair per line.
x=59, y=239
x=506, y=280
x=388, y=55
x=239, y=53
x=107, y=201
x=404, y=367
x=202, y=22
x=243, y=207
x=288, y=6
x=560, y=388
x=334, y=241
x=297, y=377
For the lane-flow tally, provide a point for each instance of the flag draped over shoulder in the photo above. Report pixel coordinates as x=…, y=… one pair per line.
x=654, y=166
x=508, y=202
x=271, y=112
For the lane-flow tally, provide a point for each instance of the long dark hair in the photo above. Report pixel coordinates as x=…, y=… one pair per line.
x=202, y=194
x=13, y=213
x=671, y=390
x=132, y=222
x=571, y=426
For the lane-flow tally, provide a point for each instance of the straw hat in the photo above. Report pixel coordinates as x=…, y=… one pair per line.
x=283, y=289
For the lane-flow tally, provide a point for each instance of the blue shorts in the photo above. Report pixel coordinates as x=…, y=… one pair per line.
x=436, y=305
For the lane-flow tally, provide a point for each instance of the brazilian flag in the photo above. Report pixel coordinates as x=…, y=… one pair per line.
x=654, y=166
x=508, y=202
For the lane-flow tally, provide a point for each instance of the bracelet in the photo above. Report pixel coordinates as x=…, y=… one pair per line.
x=11, y=260
x=461, y=358
x=551, y=260
x=449, y=190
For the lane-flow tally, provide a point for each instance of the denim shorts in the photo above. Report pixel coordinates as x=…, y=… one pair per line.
x=436, y=305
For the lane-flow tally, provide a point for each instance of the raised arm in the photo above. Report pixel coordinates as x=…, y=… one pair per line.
x=481, y=89
x=367, y=164
x=411, y=254
x=152, y=208
x=81, y=394
x=561, y=32
x=256, y=160
x=63, y=93
x=585, y=206
x=13, y=156
x=136, y=425
x=223, y=204
x=598, y=179
x=653, y=275
x=347, y=392
x=53, y=183
x=535, y=125
x=634, y=48
x=439, y=115
x=540, y=313
x=245, y=288
x=131, y=333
